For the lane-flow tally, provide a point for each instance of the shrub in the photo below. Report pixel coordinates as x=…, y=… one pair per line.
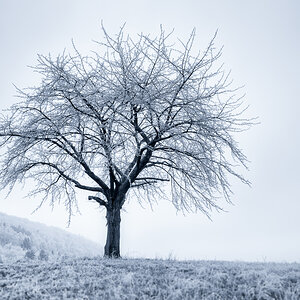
x=30, y=254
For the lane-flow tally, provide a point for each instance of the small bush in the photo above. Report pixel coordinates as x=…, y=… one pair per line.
x=30, y=254
x=43, y=255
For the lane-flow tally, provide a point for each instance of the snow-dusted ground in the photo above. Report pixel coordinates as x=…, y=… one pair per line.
x=98, y=278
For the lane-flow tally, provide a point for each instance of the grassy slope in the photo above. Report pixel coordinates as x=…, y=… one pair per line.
x=97, y=278
x=54, y=241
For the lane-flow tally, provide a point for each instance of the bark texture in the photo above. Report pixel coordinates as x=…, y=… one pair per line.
x=112, y=246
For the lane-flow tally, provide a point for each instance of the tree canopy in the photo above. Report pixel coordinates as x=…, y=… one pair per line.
x=140, y=116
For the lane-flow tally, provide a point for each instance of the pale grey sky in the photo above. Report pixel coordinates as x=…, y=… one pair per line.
x=261, y=48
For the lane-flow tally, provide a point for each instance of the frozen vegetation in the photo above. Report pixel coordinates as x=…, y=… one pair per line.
x=41, y=262
x=21, y=239
x=98, y=278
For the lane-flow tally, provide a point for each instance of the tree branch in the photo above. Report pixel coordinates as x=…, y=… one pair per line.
x=98, y=200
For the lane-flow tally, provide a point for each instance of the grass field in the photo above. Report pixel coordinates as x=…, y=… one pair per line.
x=98, y=278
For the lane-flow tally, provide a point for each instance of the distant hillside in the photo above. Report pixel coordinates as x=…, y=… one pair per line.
x=21, y=239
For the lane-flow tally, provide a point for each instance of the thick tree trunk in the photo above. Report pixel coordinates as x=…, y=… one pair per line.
x=112, y=246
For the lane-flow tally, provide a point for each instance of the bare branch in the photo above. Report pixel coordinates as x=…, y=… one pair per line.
x=140, y=113
x=98, y=200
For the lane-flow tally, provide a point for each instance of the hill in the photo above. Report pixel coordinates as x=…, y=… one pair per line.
x=23, y=239
x=98, y=278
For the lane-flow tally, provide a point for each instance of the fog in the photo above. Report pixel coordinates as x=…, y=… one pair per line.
x=261, y=48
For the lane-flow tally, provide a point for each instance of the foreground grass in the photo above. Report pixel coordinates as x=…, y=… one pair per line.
x=97, y=278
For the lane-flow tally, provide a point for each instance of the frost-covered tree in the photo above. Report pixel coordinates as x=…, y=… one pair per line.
x=43, y=255
x=26, y=244
x=140, y=118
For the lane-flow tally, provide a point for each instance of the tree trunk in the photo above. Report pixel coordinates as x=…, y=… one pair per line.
x=112, y=246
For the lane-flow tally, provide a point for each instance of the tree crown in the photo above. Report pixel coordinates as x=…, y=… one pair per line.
x=137, y=117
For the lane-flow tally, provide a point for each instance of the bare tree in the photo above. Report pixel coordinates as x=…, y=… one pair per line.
x=136, y=119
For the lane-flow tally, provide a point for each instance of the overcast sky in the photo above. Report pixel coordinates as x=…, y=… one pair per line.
x=261, y=48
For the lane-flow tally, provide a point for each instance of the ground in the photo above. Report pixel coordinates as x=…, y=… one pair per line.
x=98, y=278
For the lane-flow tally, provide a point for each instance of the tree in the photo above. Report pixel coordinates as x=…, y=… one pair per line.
x=131, y=120
x=30, y=254
x=26, y=244
x=43, y=255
